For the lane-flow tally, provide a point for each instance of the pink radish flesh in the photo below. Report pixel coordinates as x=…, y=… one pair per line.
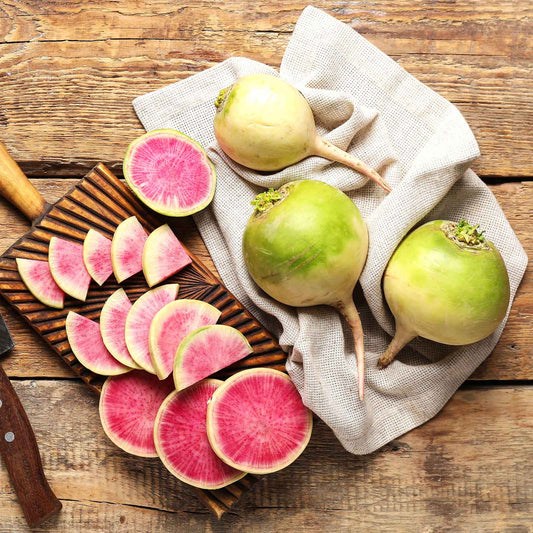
x=181, y=439
x=127, y=248
x=171, y=325
x=128, y=409
x=257, y=422
x=87, y=345
x=67, y=267
x=139, y=320
x=39, y=281
x=163, y=255
x=113, y=327
x=97, y=256
x=208, y=350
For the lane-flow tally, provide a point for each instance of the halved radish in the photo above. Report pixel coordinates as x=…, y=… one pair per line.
x=139, y=319
x=257, y=422
x=170, y=173
x=181, y=439
x=97, y=256
x=207, y=350
x=113, y=327
x=67, y=267
x=127, y=248
x=128, y=409
x=87, y=345
x=171, y=325
x=37, y=277
x=163, y=255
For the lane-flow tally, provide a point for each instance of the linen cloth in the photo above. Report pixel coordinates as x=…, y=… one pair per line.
x=367, y=104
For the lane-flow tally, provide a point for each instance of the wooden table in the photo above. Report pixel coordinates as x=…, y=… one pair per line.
x=68, y=73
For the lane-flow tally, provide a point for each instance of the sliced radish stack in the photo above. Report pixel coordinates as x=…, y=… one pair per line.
x=127, y=248
x=97, y=256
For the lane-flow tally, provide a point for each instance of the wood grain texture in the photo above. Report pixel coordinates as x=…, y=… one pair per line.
x=67, y=67
x=100, y=201
x=511, y=359
x=440, y=477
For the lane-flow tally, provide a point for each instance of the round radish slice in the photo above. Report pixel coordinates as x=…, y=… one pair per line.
x=170, y=173
x=257, y=422
x=128, y=408
x=171, y=325
x=67, y=267
x=127, y=249
x=139, y=319
x=39, y=281
x=87, y=345
x=181, y=439
x=97, y=256
x=208, y=350
x=113, y=327
x=163, y=255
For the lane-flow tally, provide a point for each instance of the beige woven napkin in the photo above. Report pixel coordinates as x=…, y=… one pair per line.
x=366, y=103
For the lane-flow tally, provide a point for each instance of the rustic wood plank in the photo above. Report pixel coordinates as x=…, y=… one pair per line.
x=474, y=54
x=441, y=475
x=511, y=359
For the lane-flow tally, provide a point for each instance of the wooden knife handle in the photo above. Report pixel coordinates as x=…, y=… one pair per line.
x=16, y=188
x=19, y=450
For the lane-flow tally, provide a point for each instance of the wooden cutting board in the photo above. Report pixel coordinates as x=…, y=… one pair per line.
x=100, y=201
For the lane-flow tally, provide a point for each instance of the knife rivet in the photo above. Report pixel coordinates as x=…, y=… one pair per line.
x=0, y=403
x=9, y=436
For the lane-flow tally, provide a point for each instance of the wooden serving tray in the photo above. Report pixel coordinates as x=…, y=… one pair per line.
x=100, y=201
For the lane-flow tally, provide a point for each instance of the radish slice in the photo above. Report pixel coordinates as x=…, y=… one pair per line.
x=127, y=248
x=257, y=422
x=128, y=409
x=87, y=345
x=139, y=319
x=163, y=255
x=97, y=256
x=39, y=281
x=67, y=267
x=171, y=325
x=181, y=439
x=113, y=327
x=208, y=350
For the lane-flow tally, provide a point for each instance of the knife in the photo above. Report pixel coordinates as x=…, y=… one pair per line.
x=19, y=450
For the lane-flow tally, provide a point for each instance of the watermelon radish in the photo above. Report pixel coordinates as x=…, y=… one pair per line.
x=170, y=173
x=206, y=351
x=39, y=281
x=87, y=345
x=67, y=267
x=128, y=409
x=257, y=422
x=139, y=319
x=181, y=439
x=171, y=325
x=163, y=255
x=97, y=256
x=127, y=248
x=113, y=325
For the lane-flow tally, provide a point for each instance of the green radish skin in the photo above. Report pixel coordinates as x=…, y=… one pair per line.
x=445, y=289
x=306, y=244
x=266, y=124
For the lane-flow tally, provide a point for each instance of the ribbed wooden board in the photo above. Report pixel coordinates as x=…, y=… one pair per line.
x=100, y=201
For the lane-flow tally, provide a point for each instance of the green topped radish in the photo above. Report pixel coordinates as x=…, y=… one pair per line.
x=306, y=244
x=170, y=173
x=447, y=283
x=264, y=123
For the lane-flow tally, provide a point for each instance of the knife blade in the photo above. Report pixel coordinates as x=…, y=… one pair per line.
x=19, y=450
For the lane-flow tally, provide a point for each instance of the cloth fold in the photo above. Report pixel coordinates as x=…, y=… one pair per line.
x=366, y=103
